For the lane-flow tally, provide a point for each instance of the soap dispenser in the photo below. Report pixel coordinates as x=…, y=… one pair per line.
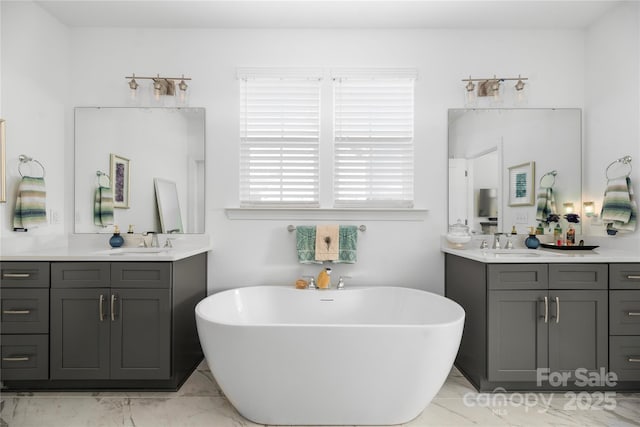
x=116, y=240
x=324, y=279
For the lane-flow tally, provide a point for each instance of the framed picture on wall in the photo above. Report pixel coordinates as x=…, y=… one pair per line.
x=120, y=181
x=521, y=184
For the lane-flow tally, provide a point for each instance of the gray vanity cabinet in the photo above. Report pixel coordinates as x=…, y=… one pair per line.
x=79, y=333
x=24, y=301
x=108, y=332
x=562, y=328
x=624, y=321
x=523, y=317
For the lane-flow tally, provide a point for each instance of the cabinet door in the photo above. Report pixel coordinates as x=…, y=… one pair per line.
x=578, y=334
x=140, y=333
x=517, y=335
x=79, y=334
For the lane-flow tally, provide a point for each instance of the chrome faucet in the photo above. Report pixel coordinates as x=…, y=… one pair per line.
x=341, y=282
x=496, y=241
x=484, y=244
x=154, y=239
x=312, y=282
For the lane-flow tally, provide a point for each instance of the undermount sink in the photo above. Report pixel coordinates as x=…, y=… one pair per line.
x=518, y=253
x=136, y=251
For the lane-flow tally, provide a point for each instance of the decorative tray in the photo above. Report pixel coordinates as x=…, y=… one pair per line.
x=568, y=248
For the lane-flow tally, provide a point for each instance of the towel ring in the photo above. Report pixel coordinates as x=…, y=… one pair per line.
x=26, y=159
x=552, y=174
x=626, y=160
x=100, y=174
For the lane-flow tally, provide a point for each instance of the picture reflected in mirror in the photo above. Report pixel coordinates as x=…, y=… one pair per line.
x=485, y=145
x=168, y=143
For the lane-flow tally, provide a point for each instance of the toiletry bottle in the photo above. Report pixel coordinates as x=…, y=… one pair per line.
x=324, y=279
x=532, y=241
x=540, y=229
x=116, y=240
x=571, y=235
x=130, y=229
x=557, y=235
x=513, y=230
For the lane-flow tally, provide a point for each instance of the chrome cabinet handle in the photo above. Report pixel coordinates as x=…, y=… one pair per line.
x=16, y=275
x=113, y=307
x=633, y=313
x=16, y=359
x=634, y=359
x=633, y=277
x=16, y=311
x=101, y=307
x=546, y=309
x=557, y=310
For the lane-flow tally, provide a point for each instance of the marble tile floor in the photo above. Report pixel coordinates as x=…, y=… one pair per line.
x=200, y=403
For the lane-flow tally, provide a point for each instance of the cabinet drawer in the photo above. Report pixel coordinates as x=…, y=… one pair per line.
x=578, y=276
x=25, y=357
x=517, y=276
x=80, y=274
x=24, y=274
x=624, y=312
x=624, y=276
x=625, y=357
x=25, y=311
x=140, y=275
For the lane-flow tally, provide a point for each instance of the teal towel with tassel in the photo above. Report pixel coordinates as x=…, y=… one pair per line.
x=619, y=209
x=348, y=244
x=306, y=244
x=30, y=210
x=103, y=207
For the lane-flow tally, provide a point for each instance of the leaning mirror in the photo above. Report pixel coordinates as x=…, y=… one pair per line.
x=512, y=167
x=118, y=154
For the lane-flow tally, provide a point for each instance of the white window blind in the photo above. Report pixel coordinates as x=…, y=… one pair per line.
x=280, y=134
x=373, y=140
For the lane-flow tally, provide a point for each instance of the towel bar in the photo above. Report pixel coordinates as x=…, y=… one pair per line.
x=626, y=160
x=291, y=228
x=24, y=159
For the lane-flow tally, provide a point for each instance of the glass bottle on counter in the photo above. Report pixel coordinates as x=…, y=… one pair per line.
x=557, y=235
x=571, y=235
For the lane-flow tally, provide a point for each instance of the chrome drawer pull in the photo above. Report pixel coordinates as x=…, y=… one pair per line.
x=16, y=311
x=16, y=275
x=546, y=309
x=633, y=360
x=633, y=277
x=633, y=313
x=101, y=307
x=16, y=359
x=113, y=307
x=557, y=310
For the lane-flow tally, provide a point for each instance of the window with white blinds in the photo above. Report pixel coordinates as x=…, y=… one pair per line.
x=373, y=139
x=280, y=135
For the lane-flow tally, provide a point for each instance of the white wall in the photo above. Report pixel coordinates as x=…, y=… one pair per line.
x=260, y=251
x=612, y=107
x=35, y=94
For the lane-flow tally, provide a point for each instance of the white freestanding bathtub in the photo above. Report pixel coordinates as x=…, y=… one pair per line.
x=374, y=355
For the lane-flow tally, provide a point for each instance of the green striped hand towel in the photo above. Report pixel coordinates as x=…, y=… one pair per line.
x=30, y=210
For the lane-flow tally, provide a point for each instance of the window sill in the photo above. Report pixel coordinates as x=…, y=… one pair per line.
x=399, y=214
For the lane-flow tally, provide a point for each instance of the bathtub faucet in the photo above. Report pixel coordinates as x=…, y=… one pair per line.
x=341, y=282
x=312, y=282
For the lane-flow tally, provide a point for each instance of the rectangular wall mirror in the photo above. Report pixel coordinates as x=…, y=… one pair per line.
x=501, y=161
x=137, y=145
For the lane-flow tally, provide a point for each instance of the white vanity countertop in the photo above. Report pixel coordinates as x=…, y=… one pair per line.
x=93, y=248
x=541, y=255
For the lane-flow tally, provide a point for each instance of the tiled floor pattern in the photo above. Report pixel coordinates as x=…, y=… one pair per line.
x=200, y=403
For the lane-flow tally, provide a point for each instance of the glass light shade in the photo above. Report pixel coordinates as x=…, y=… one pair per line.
x=568, y=207
x=589, y=208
